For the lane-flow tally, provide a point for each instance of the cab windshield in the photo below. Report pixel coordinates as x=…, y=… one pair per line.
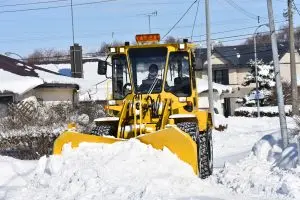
x=120, y=79
x=178, y=75
x=148, y=68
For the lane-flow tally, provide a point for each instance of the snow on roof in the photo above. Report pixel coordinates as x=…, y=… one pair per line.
x=202, y=86
x=17, y=84
x=92, y=86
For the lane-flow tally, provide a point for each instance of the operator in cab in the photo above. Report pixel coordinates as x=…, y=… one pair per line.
x=152, y=82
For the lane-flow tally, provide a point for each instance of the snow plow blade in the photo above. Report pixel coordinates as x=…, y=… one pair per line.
x=76, y=138
x=177, y=141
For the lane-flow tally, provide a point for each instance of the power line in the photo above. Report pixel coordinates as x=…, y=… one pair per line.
x=240, y=9
x=296, y=8
x=195, y=19
x=32, y=3
x=180, y=19
x=54, y=7
x=97, y=34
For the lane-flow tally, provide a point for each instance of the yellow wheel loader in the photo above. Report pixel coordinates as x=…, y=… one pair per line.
x=155, y=100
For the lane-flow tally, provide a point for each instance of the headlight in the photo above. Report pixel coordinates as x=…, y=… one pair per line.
x=112, y=50
x=182, y=99
x=122, y=49
x=112, y=102
x=181, y=46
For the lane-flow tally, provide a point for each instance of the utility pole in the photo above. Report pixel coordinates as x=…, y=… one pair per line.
x=209, y=65
x=295, y=107
x=280, y=102
x=72, y=16
x=149, y=19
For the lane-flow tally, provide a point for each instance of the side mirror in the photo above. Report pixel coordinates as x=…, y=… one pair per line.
x=102, y=67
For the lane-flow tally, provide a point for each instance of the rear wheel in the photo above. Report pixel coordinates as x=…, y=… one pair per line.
x=104, y=130
x=204, y=147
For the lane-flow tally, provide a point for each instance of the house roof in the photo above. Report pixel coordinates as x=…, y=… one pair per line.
x=240, y=55
x=21, y=68
x=19, y=77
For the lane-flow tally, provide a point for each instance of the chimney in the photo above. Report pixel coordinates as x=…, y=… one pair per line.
x=76, y=61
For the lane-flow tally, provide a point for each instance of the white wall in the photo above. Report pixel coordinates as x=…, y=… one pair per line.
x=51, y=94
x=218, y=100
x=285, y=71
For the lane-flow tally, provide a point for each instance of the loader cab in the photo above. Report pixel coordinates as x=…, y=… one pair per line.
x=131, y=71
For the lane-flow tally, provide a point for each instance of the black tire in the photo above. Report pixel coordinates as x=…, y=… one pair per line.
x=205, y=154
x=204, y=145
x=189, y=127
x=103, y=130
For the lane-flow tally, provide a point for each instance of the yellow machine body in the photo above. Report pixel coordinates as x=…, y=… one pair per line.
x=151, y=117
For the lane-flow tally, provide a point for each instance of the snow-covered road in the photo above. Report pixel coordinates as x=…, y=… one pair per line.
x=133, y=170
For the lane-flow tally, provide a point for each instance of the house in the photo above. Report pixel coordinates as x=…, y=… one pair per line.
x=19, y=80
x=219, y=91
x=231, y=64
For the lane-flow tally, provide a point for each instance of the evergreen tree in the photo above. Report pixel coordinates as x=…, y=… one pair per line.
x=266, y=81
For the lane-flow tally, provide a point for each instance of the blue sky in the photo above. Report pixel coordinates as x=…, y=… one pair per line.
x=23, y=32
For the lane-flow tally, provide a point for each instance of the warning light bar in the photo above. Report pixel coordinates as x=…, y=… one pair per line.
x=147, y=38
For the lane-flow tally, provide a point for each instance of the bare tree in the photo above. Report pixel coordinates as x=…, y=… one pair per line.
x=104, y=48
x=171, y=39
x=282, y=36
x=47, y=55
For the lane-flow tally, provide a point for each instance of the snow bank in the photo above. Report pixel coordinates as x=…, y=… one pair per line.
x=270, y=148
x=268, y=171
x=257, y=177
x=14, y=174
x=129, y=170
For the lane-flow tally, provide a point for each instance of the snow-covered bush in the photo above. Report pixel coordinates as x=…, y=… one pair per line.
x=267, y=111
x=30, y=139
x=266, y=81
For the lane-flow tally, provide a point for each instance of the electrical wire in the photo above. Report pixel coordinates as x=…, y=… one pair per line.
x=54, y=7
x=240, y=9
x=31, y=3
x=195, y=20
x=179, y=19
x=296, y=7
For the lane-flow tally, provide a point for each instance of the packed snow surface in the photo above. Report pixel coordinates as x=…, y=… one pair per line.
x=248, y=158
x=124, y=170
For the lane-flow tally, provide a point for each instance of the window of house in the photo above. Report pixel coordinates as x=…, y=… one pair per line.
x=6, y=99
x=221, y=76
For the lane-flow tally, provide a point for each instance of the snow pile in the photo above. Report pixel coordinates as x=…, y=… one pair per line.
x=14, y=173
x=124, y=170
x=257, y=177
x=268, y=171
x=270, y=148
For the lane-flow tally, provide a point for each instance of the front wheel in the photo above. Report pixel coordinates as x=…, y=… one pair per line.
x=204, y=147
x=205, y=154
x=104, y=130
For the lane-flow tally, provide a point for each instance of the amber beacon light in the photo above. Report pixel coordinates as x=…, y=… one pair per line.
x=147, y=38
